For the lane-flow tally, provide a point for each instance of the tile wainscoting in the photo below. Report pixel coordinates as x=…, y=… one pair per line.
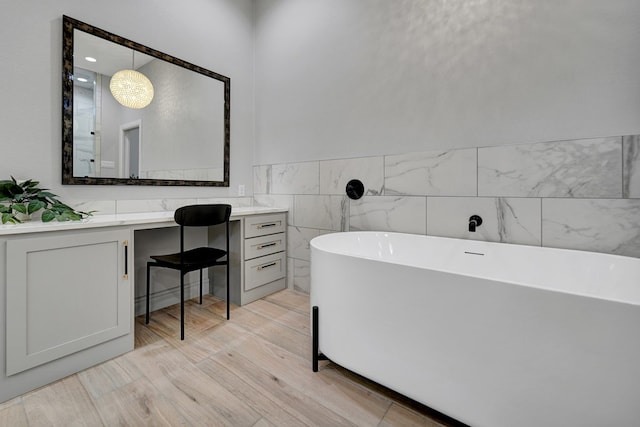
x=578, y=194
x=111, y=207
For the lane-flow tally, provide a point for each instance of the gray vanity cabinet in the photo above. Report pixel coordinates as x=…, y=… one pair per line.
x=261, y=256
x=66, y=289
x=265, y=257
x=66, y=292
x=258, y=258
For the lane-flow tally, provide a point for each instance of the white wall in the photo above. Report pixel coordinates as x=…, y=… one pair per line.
x=350, y=78
x=344, y=78
x=215, y=34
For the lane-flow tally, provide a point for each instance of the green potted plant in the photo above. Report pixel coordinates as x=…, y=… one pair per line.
x=19, y=200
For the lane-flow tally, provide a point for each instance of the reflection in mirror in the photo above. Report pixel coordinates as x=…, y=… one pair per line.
x=180, y=138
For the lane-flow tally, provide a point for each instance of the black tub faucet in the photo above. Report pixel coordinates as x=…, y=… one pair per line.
x=474, y=221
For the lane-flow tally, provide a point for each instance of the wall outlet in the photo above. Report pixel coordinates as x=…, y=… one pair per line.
x=241, y=190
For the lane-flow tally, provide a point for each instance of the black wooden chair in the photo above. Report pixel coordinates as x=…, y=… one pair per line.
x=197, y=258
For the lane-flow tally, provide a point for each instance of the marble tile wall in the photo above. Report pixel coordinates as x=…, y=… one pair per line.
x=577, y=194
x=631, y=166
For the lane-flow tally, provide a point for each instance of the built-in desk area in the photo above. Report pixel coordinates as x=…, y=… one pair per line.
x=69, y=293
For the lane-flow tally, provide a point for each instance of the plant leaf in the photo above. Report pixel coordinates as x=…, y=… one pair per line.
x=73, y=216
x=48, y=216
x=63, y=217
x=61, y=207
x=5, y=190
x=35, y=205
x=19, y=207
x=7, y=217
x=10, y=189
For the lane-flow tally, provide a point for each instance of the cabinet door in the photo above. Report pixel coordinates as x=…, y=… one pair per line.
x=65, y=292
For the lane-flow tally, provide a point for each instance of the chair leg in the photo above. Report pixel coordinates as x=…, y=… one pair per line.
x=181, y=305
x=228, y=295
x=148, y=290
x=200, y=286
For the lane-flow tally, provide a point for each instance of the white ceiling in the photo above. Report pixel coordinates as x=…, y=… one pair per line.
x=111, y=57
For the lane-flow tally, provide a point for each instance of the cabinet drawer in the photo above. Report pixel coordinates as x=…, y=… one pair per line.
x=261, y=225
x=264, y=245
x=263, y=270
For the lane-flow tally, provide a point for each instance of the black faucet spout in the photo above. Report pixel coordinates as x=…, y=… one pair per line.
x=474, y=222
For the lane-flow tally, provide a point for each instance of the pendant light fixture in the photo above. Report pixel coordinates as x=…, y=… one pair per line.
x=131, y=88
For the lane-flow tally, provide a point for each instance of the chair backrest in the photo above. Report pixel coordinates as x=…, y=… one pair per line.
x=202, y=215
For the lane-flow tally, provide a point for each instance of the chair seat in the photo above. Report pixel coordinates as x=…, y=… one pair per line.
x=193, y=259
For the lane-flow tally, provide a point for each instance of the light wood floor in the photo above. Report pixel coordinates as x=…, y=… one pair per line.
x=254, y=370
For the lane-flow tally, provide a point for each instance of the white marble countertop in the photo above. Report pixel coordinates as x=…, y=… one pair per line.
x=156, y=219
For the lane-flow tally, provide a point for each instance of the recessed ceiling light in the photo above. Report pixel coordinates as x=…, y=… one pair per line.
x=82, y=79
x=90, y=59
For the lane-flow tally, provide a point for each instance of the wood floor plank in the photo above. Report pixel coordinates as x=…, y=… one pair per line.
x=287, y=338
x=166, y=322
x=218, y=307
x=157, y=359
x=196, y=396
x=208, y=300
x=260, y=324
x=12, y=413
x=143, y=335
x=399, y=399
x=63, y=403
x=277, y=332
x=198, y=315
x=340, y=395
x=304, y=408
x=202, y=400
x=294, y=300
x=108, y=376
x=256, y=397
x=284, y=316
x=9, y=403
x=200, y=345
x=138, y=404
x=249, y=320
x=263, y=422
x=400, y=416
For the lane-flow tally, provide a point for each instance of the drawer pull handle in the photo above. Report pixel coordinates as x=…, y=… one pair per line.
x=271, y=224
x=267, y=245
x=262, y=267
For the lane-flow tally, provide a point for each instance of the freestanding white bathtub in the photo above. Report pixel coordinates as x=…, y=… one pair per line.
x=490, y=334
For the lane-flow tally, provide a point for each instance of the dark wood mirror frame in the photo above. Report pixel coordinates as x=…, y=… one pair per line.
x=69, y=25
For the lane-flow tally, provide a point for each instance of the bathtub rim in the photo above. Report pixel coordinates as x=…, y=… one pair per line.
x=315, y=244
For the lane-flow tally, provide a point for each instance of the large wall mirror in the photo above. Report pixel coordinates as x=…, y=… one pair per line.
x=180, y=138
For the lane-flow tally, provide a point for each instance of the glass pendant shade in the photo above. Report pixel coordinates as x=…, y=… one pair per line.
x=131, y=88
